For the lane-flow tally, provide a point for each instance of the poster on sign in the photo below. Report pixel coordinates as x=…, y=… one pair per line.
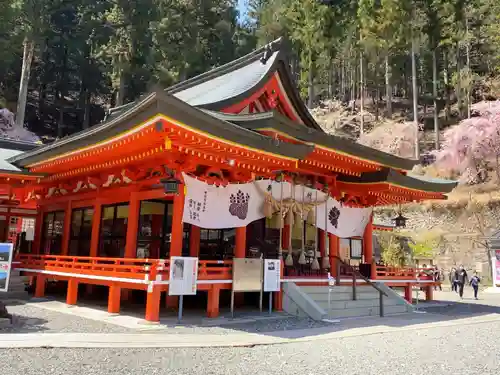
x=6, y=254
x=183, y=276
x=272, y=275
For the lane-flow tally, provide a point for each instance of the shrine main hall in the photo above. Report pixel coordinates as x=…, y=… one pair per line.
x=229, y=164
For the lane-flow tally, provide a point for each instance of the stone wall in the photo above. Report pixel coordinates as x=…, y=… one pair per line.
x=462, y=229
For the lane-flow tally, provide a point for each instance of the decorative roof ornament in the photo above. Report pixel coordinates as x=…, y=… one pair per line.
x=267, y=53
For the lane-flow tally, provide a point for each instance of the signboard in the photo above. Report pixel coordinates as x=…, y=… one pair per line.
x=247, y=275
x=272, y=275
x=6, y=254
x=183, y=276
x=496, y=268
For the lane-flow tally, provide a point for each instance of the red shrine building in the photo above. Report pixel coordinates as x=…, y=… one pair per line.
x=110, y=201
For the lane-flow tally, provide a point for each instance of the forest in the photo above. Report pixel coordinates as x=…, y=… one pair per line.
x=66, y=62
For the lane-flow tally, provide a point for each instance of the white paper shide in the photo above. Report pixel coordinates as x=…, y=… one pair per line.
x=183, y=276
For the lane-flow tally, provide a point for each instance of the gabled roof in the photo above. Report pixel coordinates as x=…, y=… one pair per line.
x=237, y=80
x=276, y=121
x=413, y=182
x=10, y=148
x=160, y=103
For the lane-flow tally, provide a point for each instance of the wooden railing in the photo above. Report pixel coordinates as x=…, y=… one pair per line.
x=401, y=273
x=128, y=268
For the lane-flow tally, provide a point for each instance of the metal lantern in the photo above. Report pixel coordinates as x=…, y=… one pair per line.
x=400, y=221
x=170, y=185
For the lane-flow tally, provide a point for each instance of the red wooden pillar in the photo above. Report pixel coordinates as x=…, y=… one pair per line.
x=177, y=224
x=66, y=229
x=132, y=226
x=72, y=293
x=333, y=244
x=240, y=249
x=153, y=304
x=40, y=286
x=368, y=242
x=213, y=301
x=194, y=241
x=408, y=293
x=285, y=236
x=94, y=236
x=278, y=296
x=177, y=234
x=114, y=299
x=37, y=240
x=428, y=293
x=96, y=228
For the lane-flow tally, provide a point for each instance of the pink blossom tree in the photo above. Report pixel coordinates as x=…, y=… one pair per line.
x=393, y=138
x=471, y=146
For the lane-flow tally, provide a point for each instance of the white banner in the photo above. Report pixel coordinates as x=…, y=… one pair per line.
x=344, y=222
x=183, y=276
x=6, y=255
x=272, y=275
x=237, y=205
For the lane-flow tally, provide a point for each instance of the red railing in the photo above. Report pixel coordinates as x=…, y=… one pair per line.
x=127, y=268
x=401, y=273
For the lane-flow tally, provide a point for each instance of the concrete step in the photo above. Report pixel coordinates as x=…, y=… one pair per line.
x=366, y=311
x=337, y=305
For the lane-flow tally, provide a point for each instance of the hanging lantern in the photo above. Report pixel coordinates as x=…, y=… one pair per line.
x=170, y=185
x=400, y=221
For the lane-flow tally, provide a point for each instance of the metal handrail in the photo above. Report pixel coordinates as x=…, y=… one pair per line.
x=356, y=273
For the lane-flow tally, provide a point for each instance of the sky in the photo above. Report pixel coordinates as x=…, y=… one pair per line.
x=242, y=8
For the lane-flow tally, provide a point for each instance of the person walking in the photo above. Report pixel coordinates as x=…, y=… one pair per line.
x=462, y=278
x=474, y=282
x=453, y=279
x=437, y=278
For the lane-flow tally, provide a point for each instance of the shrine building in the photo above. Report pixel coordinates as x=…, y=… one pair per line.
x=112, y=202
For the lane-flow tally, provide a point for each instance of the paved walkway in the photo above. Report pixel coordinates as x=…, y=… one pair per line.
x=348, y=328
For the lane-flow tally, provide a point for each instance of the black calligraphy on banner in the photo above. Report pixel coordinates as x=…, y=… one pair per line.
x=195, y=207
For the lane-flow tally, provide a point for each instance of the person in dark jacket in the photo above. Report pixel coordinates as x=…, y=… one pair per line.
x=474, y=282
x=462, y=278
x=437, y=278
x=453, y=279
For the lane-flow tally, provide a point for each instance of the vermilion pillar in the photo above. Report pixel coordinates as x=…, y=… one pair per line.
x=37, y=240
x=66, y=229
x=285, y=236
x=194, y=241
x=368, y=242
x=96, y=227
x=132, y=226
x=177, y=234
x=241, y=242
x=177, y=224
x=333, y=243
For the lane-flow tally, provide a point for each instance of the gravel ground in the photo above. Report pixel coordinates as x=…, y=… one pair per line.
x=30, y=319
x=466, y=349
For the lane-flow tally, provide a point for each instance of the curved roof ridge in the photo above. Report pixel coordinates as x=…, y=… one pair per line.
x=274, y=46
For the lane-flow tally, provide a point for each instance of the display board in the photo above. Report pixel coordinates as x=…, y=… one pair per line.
x=6, y=254
x=183, y=276
x=247, y=275
x=272, y=275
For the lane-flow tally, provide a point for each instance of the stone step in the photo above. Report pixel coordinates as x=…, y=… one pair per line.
x=366, y=311
x=321, y=296
x=338, y=305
